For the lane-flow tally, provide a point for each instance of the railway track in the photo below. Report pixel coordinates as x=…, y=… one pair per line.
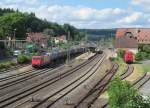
x=136, y=84
x=68, y=88
x=94, y=93
x=13, y=68
x=18, y=81
x=17, y=97
x=14, y=76
x=16, y=84
x=129, y=70
x=141, y=81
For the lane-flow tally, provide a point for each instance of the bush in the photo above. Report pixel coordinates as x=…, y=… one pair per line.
x=6, y=65
x=141, y=56
x=23, y=59
x=144, y=52
x=122, y=95
x=113, y=58
x=146, y=48
x=138, y=56
x=120, y=53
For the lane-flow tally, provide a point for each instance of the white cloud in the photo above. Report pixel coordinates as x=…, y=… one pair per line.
x=83, y=17
x=140, y=2
x=77, y=14
x=31, y=2
x=131, y=18
x=144, y=4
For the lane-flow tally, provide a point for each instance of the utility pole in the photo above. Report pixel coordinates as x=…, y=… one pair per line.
x=86, y=40
x=15, y=38
x=68, y=49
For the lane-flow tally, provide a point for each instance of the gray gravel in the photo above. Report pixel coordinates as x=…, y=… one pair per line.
x=145, y=90
x=146, y=62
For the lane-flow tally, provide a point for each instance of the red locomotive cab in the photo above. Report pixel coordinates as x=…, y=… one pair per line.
x=37, y=61
x=128, y=57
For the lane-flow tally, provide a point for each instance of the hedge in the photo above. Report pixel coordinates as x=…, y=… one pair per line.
x=23, y=59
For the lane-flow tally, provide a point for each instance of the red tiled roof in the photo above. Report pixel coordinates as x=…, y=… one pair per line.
x=140, y=35
x=37, y=38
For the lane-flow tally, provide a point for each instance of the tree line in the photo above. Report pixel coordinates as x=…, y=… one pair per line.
x=18, y=23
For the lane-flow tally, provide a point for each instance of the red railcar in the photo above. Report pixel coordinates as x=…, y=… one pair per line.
x=40, y=61
x=128, y=57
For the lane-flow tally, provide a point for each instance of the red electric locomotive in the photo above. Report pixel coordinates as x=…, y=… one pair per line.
x=40, y=61
x=128, y=57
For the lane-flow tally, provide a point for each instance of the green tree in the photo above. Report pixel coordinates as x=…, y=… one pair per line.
x=28, y=22
x=10, y=22
x=120, y=53
x=48, y=32
x=122, y=95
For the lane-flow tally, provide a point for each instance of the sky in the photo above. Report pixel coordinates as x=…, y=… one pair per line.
x=91, y=14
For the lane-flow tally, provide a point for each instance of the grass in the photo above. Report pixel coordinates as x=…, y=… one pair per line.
x=137, y=73
x=7, y=64
x=138, y=68
x=146, y=67
x=122, y=66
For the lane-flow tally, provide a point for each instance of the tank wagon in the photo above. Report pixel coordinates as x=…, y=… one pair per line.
x=44, y=60
x=128, y=57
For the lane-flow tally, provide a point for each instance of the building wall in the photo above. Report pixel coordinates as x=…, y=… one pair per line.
x=134, y=50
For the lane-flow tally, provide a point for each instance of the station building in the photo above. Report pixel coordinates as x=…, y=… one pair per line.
x=130, y=38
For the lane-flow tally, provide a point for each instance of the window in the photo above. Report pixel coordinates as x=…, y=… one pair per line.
x=129, y=34
x=139, y=31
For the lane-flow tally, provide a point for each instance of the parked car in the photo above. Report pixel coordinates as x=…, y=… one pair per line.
x=16, y=52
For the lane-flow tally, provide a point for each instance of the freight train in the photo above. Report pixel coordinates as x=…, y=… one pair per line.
x=128, y=57
x=44, y=60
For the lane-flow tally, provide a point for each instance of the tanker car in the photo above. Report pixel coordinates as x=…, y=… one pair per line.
x=44, y=60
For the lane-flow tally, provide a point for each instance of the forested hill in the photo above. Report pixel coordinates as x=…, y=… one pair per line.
x=94, y=34
x=4, y=11
x=22, y=23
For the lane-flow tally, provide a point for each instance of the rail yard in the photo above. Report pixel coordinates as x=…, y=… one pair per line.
x=74, y=54
x=78, y=85
x=17, y=88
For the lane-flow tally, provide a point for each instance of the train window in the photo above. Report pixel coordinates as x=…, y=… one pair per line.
x=36, y=58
